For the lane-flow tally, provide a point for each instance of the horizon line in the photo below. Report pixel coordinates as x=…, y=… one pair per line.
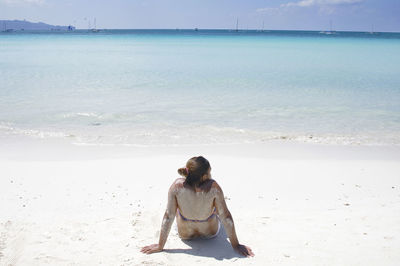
x=210, y=29
x=175, y=28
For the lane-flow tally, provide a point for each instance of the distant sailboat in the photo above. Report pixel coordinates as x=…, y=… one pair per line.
x=330, y=29
x=237, y=25
x=95, y=29
x=263, y=28
x=372, y=30
x=5, y=28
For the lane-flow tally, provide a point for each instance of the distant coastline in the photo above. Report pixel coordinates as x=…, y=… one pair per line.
x=21, y=25
x=24, y=25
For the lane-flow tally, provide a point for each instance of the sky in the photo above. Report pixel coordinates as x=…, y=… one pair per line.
x=348, y=15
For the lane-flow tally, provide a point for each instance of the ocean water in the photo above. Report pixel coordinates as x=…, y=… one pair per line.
x=170, y=87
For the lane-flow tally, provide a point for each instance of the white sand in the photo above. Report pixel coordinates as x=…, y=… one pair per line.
x=292, y=204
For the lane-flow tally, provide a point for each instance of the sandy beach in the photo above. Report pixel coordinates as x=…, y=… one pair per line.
x=293, y=204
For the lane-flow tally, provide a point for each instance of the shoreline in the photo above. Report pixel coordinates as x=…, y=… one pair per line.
x=204, y=135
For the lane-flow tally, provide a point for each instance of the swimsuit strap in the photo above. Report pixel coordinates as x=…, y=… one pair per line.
x=198, y=221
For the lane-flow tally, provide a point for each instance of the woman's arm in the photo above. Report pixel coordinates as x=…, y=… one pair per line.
x=168, y=219
x=225, y=215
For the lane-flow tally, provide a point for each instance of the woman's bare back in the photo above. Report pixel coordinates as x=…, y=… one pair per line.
x=196, y=212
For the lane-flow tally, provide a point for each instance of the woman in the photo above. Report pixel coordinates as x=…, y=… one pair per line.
x=197, y=201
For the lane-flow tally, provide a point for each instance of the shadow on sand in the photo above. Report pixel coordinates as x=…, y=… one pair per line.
x=217, y=247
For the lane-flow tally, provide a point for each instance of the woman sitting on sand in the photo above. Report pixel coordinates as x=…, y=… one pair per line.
x=198, y=203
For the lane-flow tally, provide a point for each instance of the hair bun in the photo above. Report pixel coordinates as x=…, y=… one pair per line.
x=183, y=172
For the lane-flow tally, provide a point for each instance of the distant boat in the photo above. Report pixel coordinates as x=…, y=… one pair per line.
x=262, y=29
x=330, y=31
x=237, y=25
x=94, y=29
x=196, y=29
x=372, y=30
x=5, y=28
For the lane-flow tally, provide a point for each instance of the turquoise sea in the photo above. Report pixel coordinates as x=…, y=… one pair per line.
x=179, y=87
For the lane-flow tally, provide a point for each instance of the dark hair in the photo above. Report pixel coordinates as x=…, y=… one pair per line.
x=195, y=169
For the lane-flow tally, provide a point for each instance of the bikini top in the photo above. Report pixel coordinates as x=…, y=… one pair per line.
x=198, y=221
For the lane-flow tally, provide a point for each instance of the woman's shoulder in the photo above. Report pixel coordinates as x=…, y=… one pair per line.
x=178, y=183
x=215, y=185
x=210, y=185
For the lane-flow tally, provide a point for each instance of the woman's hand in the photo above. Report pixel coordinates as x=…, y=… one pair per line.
x=151, y=249
x=244, y=250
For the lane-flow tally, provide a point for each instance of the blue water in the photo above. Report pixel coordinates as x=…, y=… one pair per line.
x=157, y=87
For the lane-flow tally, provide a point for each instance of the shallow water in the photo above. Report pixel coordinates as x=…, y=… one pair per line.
x=157, y=87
